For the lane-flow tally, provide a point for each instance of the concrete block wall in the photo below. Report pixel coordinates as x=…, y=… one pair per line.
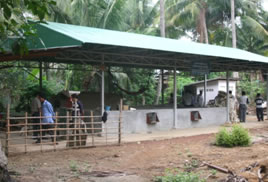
x=135, y=121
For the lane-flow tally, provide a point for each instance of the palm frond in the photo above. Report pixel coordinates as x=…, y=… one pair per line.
x=254, y=26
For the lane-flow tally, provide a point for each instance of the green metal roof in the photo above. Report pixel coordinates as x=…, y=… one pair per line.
x=125, y=39
x=123, y=48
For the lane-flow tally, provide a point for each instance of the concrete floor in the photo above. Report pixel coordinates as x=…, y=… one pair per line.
x=160, y=135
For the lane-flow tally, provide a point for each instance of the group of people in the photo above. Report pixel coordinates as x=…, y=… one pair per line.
x=190, y=100
x=243, y=104
x=42, y=107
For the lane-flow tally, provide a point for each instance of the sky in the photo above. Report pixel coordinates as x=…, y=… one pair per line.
x=265, y=4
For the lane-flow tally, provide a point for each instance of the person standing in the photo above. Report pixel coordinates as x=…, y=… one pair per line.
x=200, y=100
x=243, y=102
x=187, y=99
x=47, y=120
x=35, y=110
x=77, y=106
x=259, y=110
x=232, y=107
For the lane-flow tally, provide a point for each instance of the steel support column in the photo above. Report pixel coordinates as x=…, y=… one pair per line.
x=205, y=90
x=227, y=91
x=40, y=76
x=267, y=95
x=162, y=89
x=102, y=92
x=175, y=99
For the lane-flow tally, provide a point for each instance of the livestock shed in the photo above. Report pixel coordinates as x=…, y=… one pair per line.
x=71, y=44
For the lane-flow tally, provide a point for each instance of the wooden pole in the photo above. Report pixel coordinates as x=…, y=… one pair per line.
x=106, y=132
x=55, y=131
x=8, y=129
x=41, y=133
x=119, y=124
x=79, y=131
x=92, y=127
x=75, y=124
x=26, y=131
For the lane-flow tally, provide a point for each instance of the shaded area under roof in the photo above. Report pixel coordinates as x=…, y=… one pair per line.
x=99, y=46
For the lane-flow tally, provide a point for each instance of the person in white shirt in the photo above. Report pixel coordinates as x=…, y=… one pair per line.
x=187, y=99
x=199, y=99
x=243, y=102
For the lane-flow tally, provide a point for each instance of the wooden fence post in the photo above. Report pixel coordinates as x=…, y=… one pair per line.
x=8, y=129
x=68, y=127
x=55, y=131
x=41, y=132
x=92, y=127
x=26, y=131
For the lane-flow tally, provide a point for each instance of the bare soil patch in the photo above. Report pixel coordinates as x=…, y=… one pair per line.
x=139, y=161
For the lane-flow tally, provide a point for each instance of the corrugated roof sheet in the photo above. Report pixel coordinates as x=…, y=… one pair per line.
x=82, y=34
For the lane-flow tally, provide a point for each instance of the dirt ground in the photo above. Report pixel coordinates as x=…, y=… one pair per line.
x=139, y=161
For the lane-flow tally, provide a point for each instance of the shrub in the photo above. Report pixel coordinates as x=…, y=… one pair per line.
x=223, y=138
x=238, y=136
x=180, y=177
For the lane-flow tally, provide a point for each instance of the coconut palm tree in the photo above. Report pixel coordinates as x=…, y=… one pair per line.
x=188, y=15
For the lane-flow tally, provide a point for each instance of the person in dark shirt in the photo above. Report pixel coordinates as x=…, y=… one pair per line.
x=259, y=109
x=77, y=106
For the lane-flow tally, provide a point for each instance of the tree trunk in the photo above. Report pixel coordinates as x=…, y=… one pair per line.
x=205, y=25
x=162, y=32
x=143, y=100
x=235, y=74
x=162, y=19
x=233, y=23
x=4, y=176
x=47, y=71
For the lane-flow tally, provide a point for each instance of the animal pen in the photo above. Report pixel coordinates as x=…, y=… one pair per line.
x=68, y=132
x=70, y=44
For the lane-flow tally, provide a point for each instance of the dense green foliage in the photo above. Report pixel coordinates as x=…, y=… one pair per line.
x=179, y=177
x=30, y=89
x=238, y=136
x=14, y=22
x=251, y=86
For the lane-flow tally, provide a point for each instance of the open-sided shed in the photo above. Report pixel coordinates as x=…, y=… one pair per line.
x=71, y=44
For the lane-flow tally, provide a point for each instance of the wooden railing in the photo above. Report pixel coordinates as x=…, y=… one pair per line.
x=66, y=132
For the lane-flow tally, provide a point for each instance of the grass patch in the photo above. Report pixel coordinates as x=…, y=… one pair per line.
x=176, y=176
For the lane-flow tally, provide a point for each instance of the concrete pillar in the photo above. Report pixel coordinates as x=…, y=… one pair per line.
x=175, y=100
x=227, y=91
